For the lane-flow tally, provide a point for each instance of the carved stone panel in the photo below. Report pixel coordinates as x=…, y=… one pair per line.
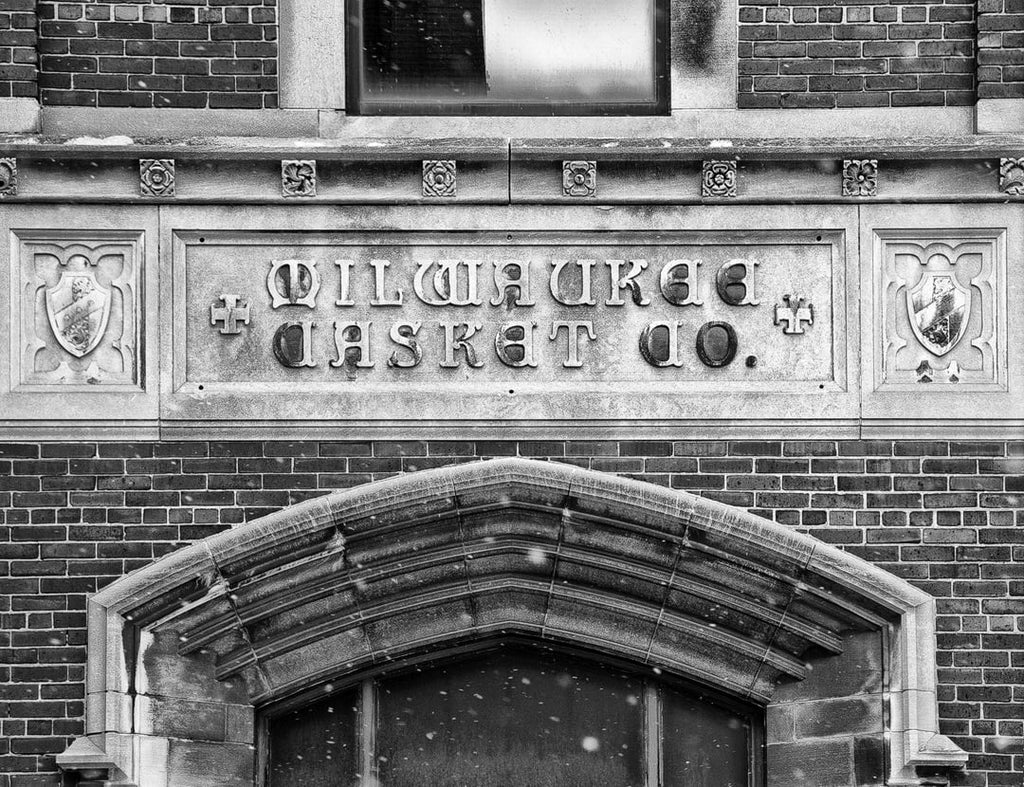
x=8, y=177
x=941, y=309
x=1011, y=176
x=860, y=177
x=439, y=179
x=298, y=178
x=79, y=308
x=718, y=179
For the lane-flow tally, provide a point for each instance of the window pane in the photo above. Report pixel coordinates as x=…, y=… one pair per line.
x=316, y=745
x=511, y=719
x=509, y=52
x=703, y=745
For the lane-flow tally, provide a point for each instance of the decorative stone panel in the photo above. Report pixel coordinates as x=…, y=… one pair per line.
x=1011, y=176
x=156, y=177
x=718, y=179
x=78, y=297
x=860, y=177
x=579, y=178
x=298, y=178
x=439, y=179
x=8, y=177
x=942, y=309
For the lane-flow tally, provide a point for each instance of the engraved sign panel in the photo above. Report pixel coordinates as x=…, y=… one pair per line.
x=529, y=328
x=397, y=309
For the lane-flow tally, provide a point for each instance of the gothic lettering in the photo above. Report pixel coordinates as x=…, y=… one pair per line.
x=572, y=331
x=514, y=344
x=679, y=283
x=293, y=344
x=380, y=268
x=403, y=334
x=511, y=290
x=293, y=283
x=447, y=283
x=344, y=278
x=352, y=341
x=555, y=285
x=735, y=282
x=659, y=344
x=453, y=343
x=626, y=282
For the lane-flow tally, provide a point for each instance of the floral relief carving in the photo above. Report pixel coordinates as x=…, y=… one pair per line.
x=8, y=177
x=1011, y=176
x=156, y=177
x=860, y=177
x=298, y=178
x=718, y=179
x=439, y=179
x=579, y=178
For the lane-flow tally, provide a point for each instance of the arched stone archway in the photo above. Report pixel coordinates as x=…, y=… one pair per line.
x=183, y=652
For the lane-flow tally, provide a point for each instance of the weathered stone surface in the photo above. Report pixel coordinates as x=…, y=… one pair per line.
x=314, y=611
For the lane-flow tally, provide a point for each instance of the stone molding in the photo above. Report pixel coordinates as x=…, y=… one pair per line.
x=659, y=170
x=386, y=568
x=999, y=115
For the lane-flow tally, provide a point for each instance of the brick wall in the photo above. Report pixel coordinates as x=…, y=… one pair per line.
x=1000, y=48
x=947, y=516
x=856, y=53
x=18, y=49
x=190, y=53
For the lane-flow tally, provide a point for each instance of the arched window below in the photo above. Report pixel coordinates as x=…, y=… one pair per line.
x=515, y=715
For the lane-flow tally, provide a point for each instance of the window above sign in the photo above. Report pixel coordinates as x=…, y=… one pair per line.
x=507, y=57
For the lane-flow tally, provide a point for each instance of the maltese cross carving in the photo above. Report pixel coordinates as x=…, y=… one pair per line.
x=235, y=311
x=794, y=314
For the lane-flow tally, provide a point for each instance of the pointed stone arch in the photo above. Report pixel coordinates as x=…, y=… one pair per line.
x=183, y=652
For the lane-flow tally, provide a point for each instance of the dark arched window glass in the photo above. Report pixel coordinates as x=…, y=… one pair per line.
x=514, y=717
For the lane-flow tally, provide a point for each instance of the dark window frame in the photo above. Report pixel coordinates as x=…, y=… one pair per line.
x=653, y=683
x=356, y=104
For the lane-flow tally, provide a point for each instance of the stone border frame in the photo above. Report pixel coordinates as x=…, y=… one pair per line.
x=182, y=652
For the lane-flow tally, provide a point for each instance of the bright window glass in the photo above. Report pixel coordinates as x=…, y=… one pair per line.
x=490, y=56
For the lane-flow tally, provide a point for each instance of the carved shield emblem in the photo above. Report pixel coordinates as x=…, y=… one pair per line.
x=939, y=309
x=78, y=309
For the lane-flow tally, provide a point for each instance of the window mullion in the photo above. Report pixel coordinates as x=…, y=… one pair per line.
x=367, y=734
x=652, y=734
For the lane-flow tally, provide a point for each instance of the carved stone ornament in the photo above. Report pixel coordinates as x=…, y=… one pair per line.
x=718, y=179
x=1011, y=176
x=8, y=177
x=439, y=179
x=235, y=311
x=794, y=314
x=298, y=178
x=939, y=307
x=860, y=177
x=579, y=178
x=940, y=317
x=156, y=177
x=79, y=309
